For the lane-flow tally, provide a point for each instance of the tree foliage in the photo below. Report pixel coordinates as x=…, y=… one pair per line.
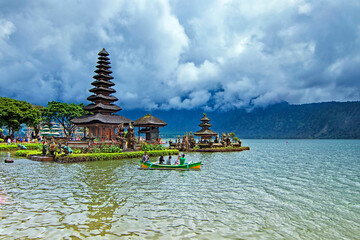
x=62, y=113
x=13, y=113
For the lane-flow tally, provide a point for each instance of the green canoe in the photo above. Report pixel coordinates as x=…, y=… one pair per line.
x=186, y=166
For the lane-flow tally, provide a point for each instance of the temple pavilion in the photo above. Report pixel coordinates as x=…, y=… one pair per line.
x=101, y=120
x=149, y=125
x=205, y=133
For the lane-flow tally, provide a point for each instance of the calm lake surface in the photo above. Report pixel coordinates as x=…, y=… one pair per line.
x=303, y=189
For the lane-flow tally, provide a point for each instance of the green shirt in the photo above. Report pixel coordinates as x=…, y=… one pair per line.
x=182, y=160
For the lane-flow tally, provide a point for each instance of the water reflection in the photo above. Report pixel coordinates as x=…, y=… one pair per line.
x=299, y=192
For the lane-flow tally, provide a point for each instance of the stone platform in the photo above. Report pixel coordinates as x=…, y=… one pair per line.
x=41, y=158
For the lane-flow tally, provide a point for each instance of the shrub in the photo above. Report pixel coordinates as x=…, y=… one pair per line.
x=25, y=153
x=152, y=146
x=102, y=148
x=1, y=140
x=111, y=156
x=14, y=147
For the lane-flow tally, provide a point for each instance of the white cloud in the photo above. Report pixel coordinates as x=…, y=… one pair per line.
x=181, y=54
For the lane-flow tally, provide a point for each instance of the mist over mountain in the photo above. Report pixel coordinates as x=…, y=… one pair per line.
x=316, y=120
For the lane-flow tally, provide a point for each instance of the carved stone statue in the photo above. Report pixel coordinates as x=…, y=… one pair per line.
x=223, y=139
x=217, y=139
x=192, y=141
x=228, y=140
x=131, y=137
x=185, y=143
x=120, y=136
x=178, y=145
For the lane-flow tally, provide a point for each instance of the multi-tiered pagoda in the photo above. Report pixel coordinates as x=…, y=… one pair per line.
x=101, y=121
x=205, y=133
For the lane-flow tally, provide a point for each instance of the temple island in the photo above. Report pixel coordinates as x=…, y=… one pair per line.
x=206, y=143
x=114, y=136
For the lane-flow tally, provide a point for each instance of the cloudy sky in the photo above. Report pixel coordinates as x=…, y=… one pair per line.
x=182, y=54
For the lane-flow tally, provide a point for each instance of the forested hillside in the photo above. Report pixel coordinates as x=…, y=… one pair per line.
x=316, y=120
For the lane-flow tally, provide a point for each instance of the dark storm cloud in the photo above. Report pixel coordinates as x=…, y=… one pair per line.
x=181, y=54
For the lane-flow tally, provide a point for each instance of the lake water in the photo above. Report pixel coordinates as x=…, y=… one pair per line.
x=303, y=189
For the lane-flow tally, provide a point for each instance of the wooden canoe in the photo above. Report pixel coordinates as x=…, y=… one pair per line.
x=184, y=167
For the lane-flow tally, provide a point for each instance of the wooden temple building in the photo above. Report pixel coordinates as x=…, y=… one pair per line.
x=149, y=125
x=101, y=120
x=205, y=133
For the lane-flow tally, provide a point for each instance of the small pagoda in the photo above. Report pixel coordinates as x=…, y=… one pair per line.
x=149, y=125
x=205, y=133
x=102, y=121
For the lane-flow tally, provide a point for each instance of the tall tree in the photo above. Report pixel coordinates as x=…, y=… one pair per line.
x=13, y=113
x=36, y=124
x=63, y=113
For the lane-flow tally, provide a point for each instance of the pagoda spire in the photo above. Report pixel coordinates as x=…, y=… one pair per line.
x=205, y=132
x=102, y=99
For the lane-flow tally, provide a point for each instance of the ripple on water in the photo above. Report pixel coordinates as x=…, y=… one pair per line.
x=300, y=190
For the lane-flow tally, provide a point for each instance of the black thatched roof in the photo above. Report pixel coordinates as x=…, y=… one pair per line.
x=102, y=97
x=93, y=107
x=205, y=118
x=205, y=125
x=102, y=89
x=205, y=132
x=103, y=64
x=103, y=70
x=102, y=82
x=102, y=76
x=149, y=121
x=100, y=118
x=103, y=52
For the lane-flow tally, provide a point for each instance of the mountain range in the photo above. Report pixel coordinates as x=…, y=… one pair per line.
x=328, y=120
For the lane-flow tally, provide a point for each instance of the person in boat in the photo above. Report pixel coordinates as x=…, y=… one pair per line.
x=52, y=148
x=168, y=161
x=161, y=160
x=145, y=157
x=44, y=149
x=182, y=159
x=177, y=161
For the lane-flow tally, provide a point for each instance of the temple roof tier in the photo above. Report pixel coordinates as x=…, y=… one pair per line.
x=103, y=71
x=205, y=125
x=100, y=118
x=102, y=76
x=102, y=82
x=149, y=121
x=99, y=106
x=102, y=97
x=103, y=65
x=102, y=89
x=103, y=62
x=205, y=132
x=101, y=58
x=103, y=52
x=205, y=118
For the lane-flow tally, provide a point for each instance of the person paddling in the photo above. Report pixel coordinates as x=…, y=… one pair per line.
x=145, y=157
x=161, y=159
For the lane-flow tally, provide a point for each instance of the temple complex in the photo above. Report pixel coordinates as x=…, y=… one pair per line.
x=149, y=125
x=206, y=143
x=101, y=120
x=205, y=133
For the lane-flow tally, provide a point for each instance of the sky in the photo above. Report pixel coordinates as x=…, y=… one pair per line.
x=182, y=54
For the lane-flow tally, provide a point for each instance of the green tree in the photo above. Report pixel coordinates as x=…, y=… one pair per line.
x=13, y=113
x=63, y=113
x=37, y=121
